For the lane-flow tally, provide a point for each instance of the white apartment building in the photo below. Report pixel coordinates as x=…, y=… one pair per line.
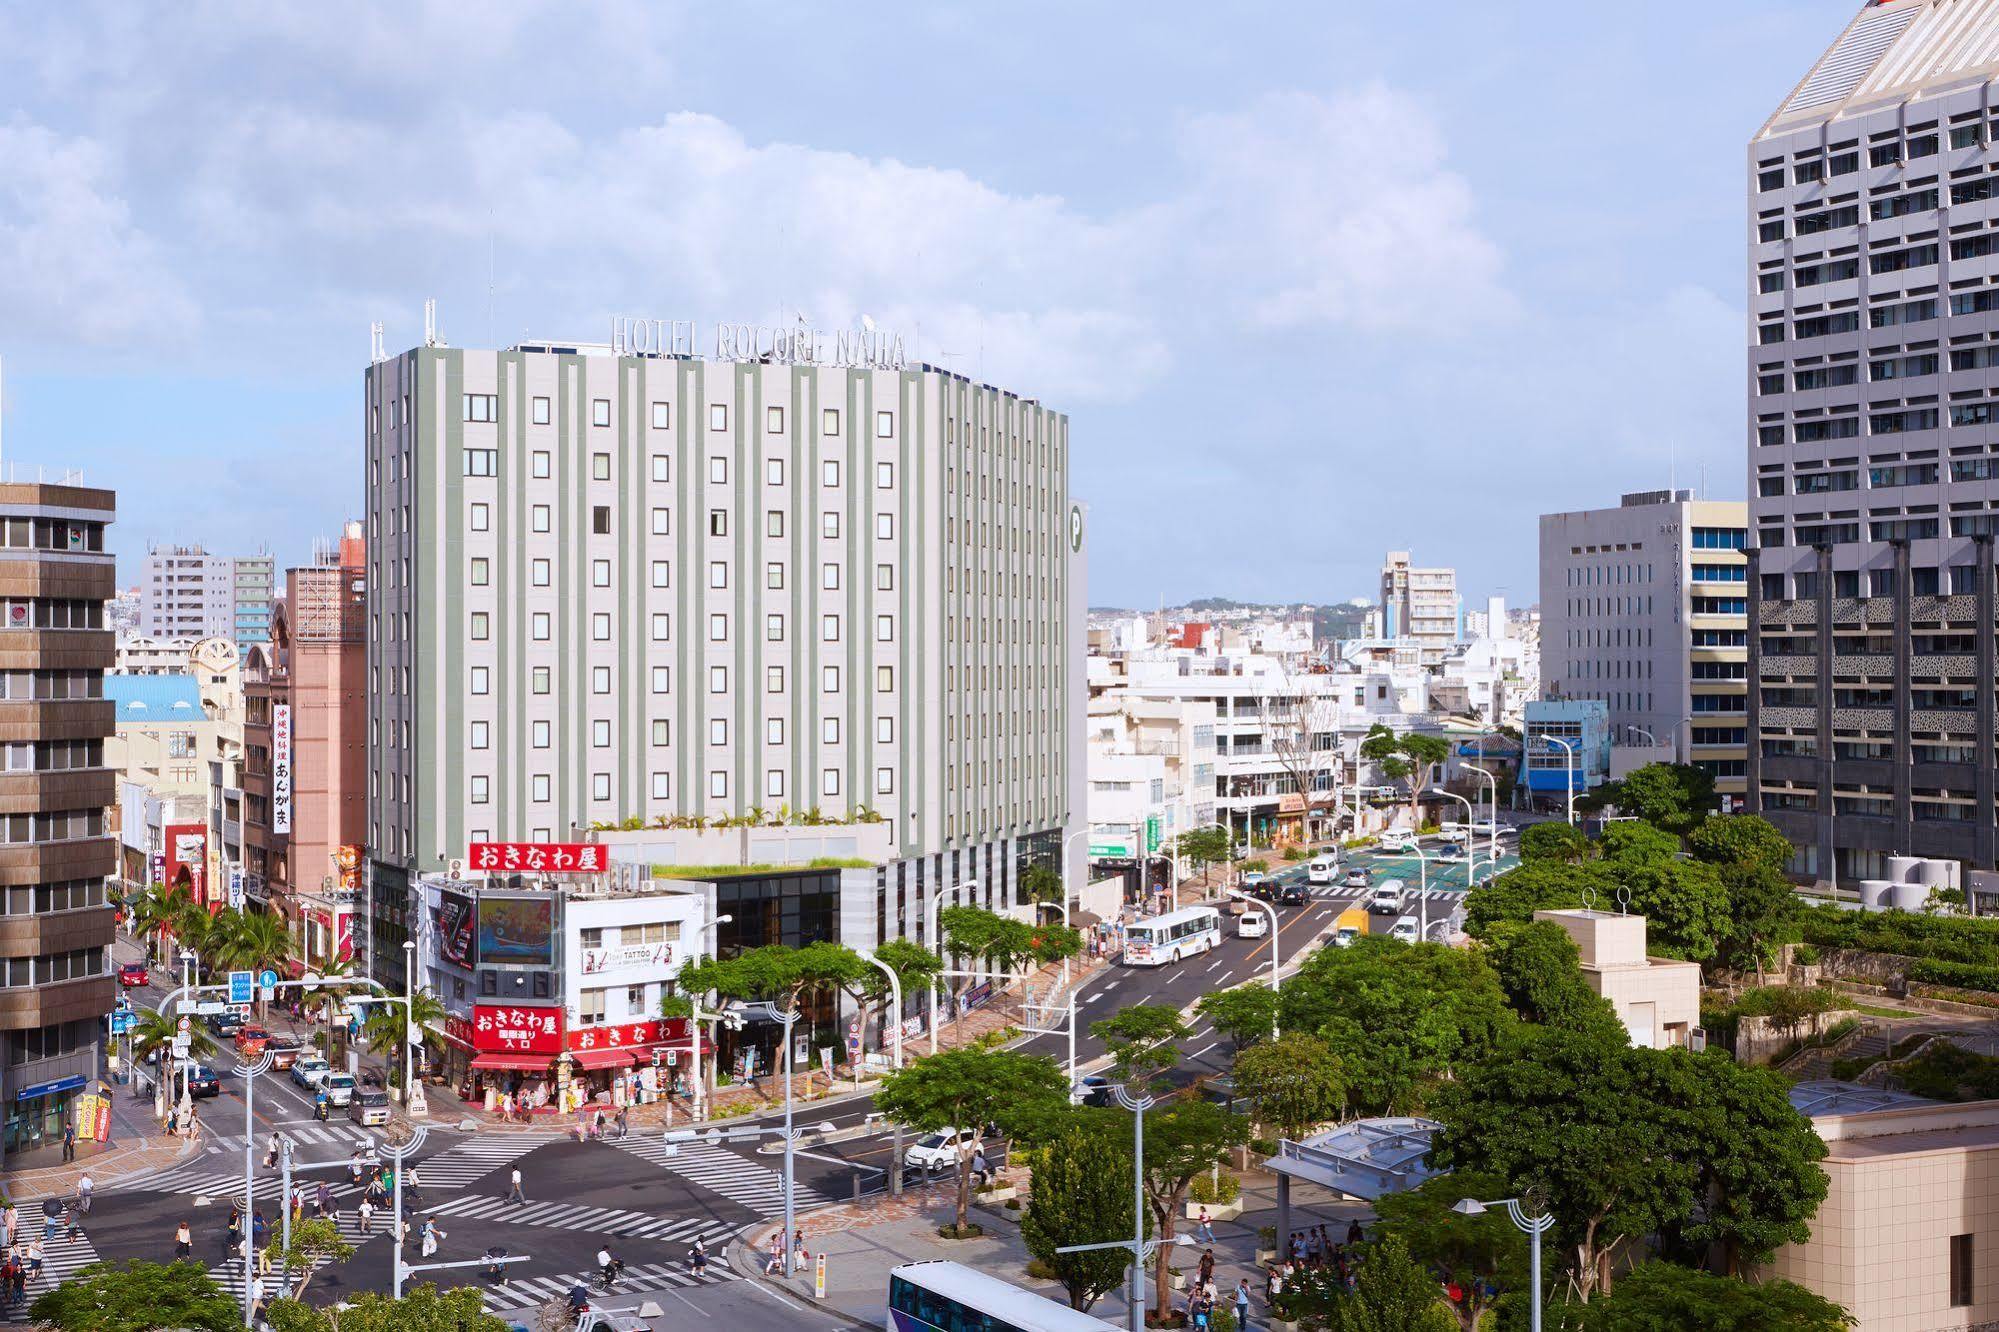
x=1420, y=604
x=185, y=592
x=1644, y=607
x=607, y=585
x=1152, y=774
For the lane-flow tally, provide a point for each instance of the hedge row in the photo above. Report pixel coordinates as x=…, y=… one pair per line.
x=1956, y=939
x=1959, y=975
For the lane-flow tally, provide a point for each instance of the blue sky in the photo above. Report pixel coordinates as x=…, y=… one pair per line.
x=1312, y=282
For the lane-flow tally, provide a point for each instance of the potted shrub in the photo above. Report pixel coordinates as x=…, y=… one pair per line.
x=1266, y=1245
x=1219, y=1195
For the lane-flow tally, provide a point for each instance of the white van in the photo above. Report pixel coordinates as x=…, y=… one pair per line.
x=1406, y=929
x=1398, y=839
x=1252, y=925
x=1320, y=870
x=1388, y=898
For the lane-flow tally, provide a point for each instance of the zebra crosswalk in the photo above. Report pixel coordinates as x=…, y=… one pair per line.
x=736, y=1178
x=62, y=1258
x=1336, y=893
x=229, y=1272
x=520, y=1294
x=346, y=1137
x=460, y=1165
x=577, y=1216
x=204, y=1179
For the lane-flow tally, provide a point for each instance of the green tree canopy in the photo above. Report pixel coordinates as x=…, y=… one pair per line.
x=1206, y=846
x=1041, y=885
x=1082, y=1195
x=1540, y=968
x=316, y=1241
x=1672, y=796
x=1734, y=839
x=1554, y=841
x=138, y=1296
x=1292, y=1084
x=1182, y=1139
x=1243, y=1014
x=422, y=1309
x=967, y=1089
x=1634, y=842
x=1399, y=1016
x=1001, y=941
x=1474, y=1252
x=1141, y=1041
x=1618, y=1143
x=386, y=1023
x=778, y=974
x=1684, y=903
x=1658, y=1297
x=1536, y=885
x=1391, y=1293
x=1569, y=1119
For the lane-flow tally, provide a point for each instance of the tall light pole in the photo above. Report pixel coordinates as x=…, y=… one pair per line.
x=1568, y=771
x=930, y=918
x=895, y=997
x=1492, y=830
x=1471, y=834
x=694, y=1030
x=1141, y=1248
x=1270, y=911
x=248, y=1072
x=1534, y=1226
x=409, y=1024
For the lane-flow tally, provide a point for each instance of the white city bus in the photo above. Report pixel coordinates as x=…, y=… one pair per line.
x=943, y=1296
x=1168, y=938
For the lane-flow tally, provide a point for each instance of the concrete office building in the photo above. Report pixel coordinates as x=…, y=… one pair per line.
x=1644, y=607
x=185, y=592
x=55, y=926
x=608, y=586
x=1873, y=449
x=1421, y=604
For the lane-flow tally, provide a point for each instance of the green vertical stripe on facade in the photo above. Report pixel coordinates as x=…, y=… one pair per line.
x=859, y=399
x=745, y=625
x=799, y=674
x=449, y=558
x=627, y=528
x=910, y=785
x=686, y=684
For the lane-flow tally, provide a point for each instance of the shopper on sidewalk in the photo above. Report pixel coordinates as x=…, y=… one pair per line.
x=69, y=1142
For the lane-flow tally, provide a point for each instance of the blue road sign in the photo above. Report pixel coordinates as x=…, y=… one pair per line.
x=241, y=989
x=267, y=979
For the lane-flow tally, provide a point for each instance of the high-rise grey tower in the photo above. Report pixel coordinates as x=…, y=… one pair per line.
x=1873, y=453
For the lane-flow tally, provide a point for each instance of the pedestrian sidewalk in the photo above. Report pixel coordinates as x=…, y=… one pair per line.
x=138, y=1146
x=766, y=1094
x=863, y=1241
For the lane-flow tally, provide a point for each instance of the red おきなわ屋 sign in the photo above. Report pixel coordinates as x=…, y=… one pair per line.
x=518, y=1030
x=536, y=858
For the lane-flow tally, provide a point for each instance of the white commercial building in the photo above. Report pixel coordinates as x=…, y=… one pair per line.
x=625, y=582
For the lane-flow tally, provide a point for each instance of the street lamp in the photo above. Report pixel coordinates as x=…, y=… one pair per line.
x=1534, y=1226
x=1270, y=911
x=1471, y=834
x=895, y=997
x=1141, y=1248
x=409, y=1026
x=248, y=1072
x=1568, y=771
x=694, y=1029
x=1492, y=831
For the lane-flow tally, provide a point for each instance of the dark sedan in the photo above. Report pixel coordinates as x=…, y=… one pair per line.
x=203, y=1082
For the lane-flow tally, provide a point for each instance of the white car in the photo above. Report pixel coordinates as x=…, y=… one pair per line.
x=1398, y=839
x=1406, y=929
x=938, y=1151
x=1252, y=925
x=1344, y=936
x=307, y=1070
x=339, y=1088
x=1388, y=898
x=1319, y=870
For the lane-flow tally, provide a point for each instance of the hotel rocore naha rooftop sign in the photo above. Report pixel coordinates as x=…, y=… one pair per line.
x=864, y=348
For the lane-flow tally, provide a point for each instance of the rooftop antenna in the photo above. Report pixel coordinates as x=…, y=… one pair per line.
x=430, y=323
x=377, y=353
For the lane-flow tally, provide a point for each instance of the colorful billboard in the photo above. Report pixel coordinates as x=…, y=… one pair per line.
x=522, y=1030
x=518, y=930
x=457, y=942
x=281, y=768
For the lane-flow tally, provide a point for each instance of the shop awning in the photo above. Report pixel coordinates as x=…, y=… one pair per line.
x=618, y=1057
x=512, y=1061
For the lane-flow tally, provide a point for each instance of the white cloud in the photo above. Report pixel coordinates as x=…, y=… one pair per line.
x=1339, y=211
x=73, y=265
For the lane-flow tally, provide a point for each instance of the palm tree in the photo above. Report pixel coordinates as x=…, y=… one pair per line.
x=335, y=981
x=387, y=1023
x=156, y=1031
x=156, y=911
x=255, y=941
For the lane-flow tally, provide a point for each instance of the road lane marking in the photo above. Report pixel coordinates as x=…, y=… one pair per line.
x=1203, y=1050
x=1224, y=976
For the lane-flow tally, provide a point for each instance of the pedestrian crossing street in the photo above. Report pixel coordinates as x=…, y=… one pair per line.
x=576, y=1216
x=458, y=1166
x=525, y=1294
x=718, y=1170
x=229, y=1273
x=62, y=1258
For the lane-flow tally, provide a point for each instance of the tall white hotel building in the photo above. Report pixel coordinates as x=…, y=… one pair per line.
x=607, y=584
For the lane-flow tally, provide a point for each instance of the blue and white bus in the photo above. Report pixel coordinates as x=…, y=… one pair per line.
x=1161, y=939
x=946, y=1297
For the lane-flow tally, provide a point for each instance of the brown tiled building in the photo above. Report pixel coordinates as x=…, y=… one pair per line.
x=55, y=853
x=305, y=770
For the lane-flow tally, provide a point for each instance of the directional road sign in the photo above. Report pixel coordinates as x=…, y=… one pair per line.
x=241, y=987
